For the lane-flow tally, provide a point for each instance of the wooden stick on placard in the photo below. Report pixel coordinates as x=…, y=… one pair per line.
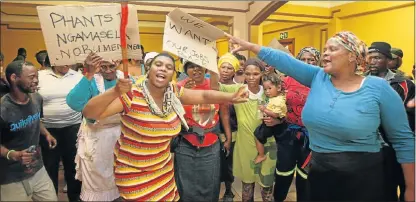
x=123, y=40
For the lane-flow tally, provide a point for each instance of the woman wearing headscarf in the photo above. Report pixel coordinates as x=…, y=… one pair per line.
x=228, y=65
x=152, y=115
x=342, y=114
x=293, y=151
x=245, y=150
x=96, y=139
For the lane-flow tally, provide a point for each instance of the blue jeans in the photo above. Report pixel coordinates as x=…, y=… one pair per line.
x=197, y=171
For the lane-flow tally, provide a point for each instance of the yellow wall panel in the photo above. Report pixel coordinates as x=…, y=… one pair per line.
x=389, y=21
x=222, y=47
x=11, y=40
x=395, y=27
x=304, y=36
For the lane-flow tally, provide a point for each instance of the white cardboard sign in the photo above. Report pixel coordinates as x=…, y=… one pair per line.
x=71, y=32
x=191, y=39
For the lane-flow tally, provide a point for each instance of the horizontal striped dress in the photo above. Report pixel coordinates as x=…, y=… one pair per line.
x=143, y=162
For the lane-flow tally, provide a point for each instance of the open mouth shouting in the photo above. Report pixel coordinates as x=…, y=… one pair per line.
x=325, y=62
x=160, y=77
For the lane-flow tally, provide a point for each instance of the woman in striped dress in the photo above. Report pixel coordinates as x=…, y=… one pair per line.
x=152, y=115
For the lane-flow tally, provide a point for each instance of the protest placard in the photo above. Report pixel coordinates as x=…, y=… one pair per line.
x=191, y=39
x=71, y=32
x=277, y=45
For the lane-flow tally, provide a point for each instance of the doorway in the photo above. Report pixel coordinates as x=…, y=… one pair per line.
x=289, y=44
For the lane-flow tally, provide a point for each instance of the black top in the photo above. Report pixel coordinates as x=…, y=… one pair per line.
x=20, y=129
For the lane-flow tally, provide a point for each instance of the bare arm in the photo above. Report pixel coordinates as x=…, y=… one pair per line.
x=280, y=60
x=270, y=113
x=192, y=97
x=409, y=176
x=225, y=120
x=104, y=105
x=43, y=130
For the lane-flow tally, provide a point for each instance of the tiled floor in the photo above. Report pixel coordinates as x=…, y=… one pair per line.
x=236, y=190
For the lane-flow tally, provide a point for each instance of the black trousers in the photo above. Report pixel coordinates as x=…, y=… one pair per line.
x=65, y=150
x=227, y=165
x=293, y=155
x=347, y=176
x=394, y=175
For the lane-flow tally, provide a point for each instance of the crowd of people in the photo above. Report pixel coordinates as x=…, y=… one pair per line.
x=341, y=121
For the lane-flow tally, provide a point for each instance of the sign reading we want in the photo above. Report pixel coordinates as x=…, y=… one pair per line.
x=71, y=32
x=191, y=39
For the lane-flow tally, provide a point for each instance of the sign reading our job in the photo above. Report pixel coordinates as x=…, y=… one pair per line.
x=191, y=39
x=73, y=32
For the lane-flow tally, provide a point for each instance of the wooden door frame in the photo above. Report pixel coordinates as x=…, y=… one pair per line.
x=291, y=40
x=321, y=34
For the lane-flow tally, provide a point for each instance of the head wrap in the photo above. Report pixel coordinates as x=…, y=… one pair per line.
x=316, y=54
x=229, y=58
x=353, y=44
x=150, y=55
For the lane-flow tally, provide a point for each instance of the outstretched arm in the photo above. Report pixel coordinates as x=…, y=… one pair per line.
x=288, y=65
x=192, y=97
x=285, y=63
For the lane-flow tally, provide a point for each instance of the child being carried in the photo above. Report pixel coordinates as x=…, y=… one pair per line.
x=275, y=108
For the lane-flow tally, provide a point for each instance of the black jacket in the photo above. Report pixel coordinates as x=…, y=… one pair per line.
x=406, y=90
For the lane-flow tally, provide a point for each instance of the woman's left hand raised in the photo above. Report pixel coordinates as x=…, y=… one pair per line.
x=241, y=95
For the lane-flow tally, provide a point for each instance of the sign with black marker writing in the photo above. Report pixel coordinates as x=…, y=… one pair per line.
x=71, y=32
x=191, y=39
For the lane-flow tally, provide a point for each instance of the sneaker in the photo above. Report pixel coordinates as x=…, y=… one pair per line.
x=65, y=189
x=228, y=197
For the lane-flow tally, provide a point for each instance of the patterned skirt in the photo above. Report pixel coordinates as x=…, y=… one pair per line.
x=154, y=185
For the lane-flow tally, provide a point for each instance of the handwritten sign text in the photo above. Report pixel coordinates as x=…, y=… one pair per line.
x=73, y=32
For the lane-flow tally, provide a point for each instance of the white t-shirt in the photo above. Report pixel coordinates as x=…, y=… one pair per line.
x=54, y=89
